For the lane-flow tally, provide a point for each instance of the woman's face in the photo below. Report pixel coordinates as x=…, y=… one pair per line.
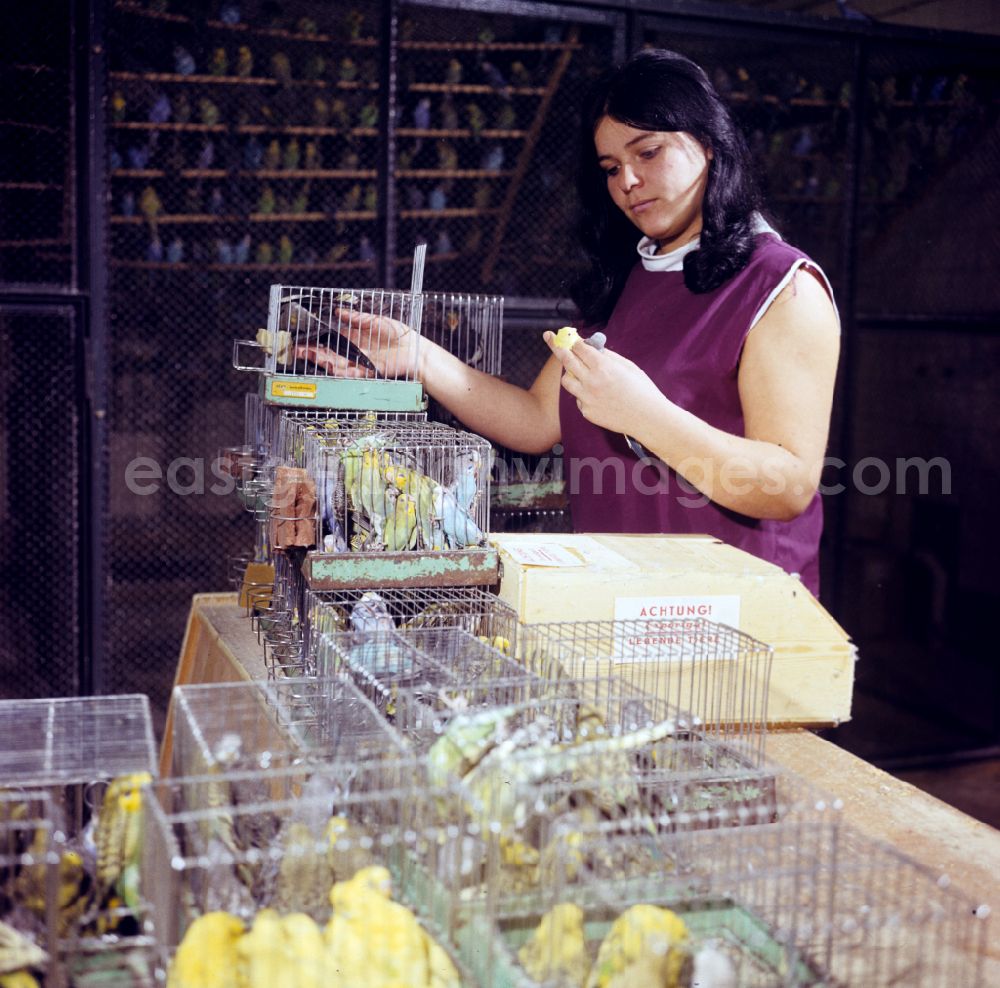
x=656, y=178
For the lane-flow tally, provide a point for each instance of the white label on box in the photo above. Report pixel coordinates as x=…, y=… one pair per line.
x=671, y=626
x=544, y=554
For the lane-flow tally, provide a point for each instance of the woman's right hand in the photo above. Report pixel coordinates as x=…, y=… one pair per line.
x=389, y=344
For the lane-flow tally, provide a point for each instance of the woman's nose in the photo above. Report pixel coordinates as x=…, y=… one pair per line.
x=628, y=178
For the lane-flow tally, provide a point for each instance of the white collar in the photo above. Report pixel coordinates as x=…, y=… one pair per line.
x=674, y=260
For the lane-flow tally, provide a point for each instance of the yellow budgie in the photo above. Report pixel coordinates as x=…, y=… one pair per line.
x=646, y=947
x=377, y=943
x=206, y=957
x=304, y=952
x=73, y=895
x=260, y=953
x=556, y=952
x=18, y=979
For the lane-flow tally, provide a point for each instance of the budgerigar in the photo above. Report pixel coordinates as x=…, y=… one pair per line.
x=304, y=952
x=207, y=957
x=349, y=847
x=244, y=61
x=304, y=875
x=401, y=524
x=647, y=939
x=373, y=940
x=74, y=884
x=459, y=528
x=556, y=952
x=118, y=837
x=466, y=485
x=260, y=953
x=464, y=743
x=421, y=488
x=371, y=614
x=19, y=952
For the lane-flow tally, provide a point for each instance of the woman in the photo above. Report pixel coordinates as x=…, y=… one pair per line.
x=708, y=409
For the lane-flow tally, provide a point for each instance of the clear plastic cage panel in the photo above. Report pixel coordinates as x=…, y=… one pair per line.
x=262, y=724
x=292, y=840
x=68, y=740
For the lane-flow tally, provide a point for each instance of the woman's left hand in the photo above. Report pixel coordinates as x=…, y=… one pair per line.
x=610, y=390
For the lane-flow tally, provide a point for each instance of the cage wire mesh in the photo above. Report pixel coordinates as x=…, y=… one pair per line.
x=720, y=675
x=472, y=609
x=349, y=327
x=91, y=755
x=41, y=553
x=37, y=167
x=746, y=888
x=794, y=901
x=279, y=839
x=402, y=486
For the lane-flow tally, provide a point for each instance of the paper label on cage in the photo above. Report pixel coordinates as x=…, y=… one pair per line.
x=672, y=627
x=293, y=389
x=544, y=554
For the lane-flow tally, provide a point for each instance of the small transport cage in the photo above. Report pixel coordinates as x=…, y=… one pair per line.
x=76, y=884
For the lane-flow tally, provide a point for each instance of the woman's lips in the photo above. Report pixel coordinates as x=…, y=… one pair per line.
x=642, y=206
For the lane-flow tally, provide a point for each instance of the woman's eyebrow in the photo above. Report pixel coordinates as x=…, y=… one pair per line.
x=628, y=144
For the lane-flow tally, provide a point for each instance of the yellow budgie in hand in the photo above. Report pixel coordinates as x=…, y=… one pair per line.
x=646, y=947
x=206, y=957
x=556, y=953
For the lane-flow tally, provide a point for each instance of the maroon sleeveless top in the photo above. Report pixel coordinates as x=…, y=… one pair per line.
x=690, y=345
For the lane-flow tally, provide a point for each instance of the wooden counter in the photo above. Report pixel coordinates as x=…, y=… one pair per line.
x=221, y=646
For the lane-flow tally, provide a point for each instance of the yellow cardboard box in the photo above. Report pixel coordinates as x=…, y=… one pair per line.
x=556, y=577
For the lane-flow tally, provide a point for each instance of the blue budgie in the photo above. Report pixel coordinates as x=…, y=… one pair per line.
x=460, y=529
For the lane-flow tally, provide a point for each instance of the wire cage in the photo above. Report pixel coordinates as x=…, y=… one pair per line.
x=259, y=724
x=91, y=755
x=798, y=900
x=349, y=323
x=898, y=922
x=399, y=487
x=557, y=758
x=308, y=840
x=718, y=674
x=473, y=609
x=29, y=881
x=70, y=740
x=411, y=673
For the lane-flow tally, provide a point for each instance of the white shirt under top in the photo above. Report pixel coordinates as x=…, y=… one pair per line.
x=674, y=261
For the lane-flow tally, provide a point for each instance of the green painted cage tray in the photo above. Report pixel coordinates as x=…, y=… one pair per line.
x=378, y=394
x=761, y=960
x=347, y=570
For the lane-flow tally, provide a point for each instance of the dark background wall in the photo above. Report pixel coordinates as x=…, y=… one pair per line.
x=878, y=144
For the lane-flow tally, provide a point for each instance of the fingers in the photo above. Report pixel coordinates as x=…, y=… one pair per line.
x=331, y=362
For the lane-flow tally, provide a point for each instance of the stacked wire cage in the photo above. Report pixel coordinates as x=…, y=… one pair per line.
x=76, y=885
x=795, y=900
x=248, y=725
x=399, y=487
x=472, y=609
x=353, y=348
